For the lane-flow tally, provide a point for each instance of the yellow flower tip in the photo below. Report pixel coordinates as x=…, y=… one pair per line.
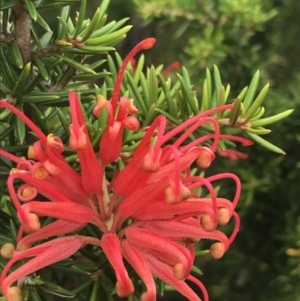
x=29, y=192
x=124, y=290
x=223, y=216
x=21, y=248
x=78, y=143
x=173, y=197
x=180, y=272
x=100, y=104
x=205, y=158
x=7, y=251
x=14, y=170
x=41, y=173
x=55, y=142
x=132, y=109
x=101, y=100
x=33, y=223
x=31, y=154
x=207, y=223
x=217, y=250
x=170, y=196
x=185, y=192
x=149, y=164
x=293, y=252
x=14, y=294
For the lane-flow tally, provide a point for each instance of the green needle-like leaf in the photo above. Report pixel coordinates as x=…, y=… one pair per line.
x=31, y=9
x=34, y=296
x=251, y=91
x=265, y=143
x=196, y=270
x=41, y=68
x=18, y=88
x=7, y=70
x=39, y=98
x=209, y=86
x=145, y=92
x=20, y=127
x=43, y=23
x=235, y=112
x=4, y=89
x=257, y=130
x=109, y=37
x=227, y=91
x=74, y=64
x=218, y=86
x=257, y=102
x=62, y=29
x=271, y=119
x=64, y=121
x=89, y=49
x=258, y=115
x=91, y=27
x=4, y=4
x=168, y=115
x=152, y=85
x=16, y=55
x=81, y=16
x=167, y=94
x=103, y=9
x=221, y=101
x=103, y=30
x=187, y=92
x=205, y=105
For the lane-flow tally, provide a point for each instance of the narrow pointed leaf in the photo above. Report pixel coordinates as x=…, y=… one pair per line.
x=272, y=119
x=31, y=9
x=235, y=112
x=206, y=104
x=19, y=86
x=108, y=37
x=74, y=64
x=81, y=16
x=257, y=103
x=251, y=91
x=152, y=84
x=40, y=65
x=43, y=23
x=257, y=130
x=91, y=27
x=265, y=143
x=218, y=85
x=16, y=55
x=258, y=116
x=8, y=71
x=20, y=126
x=103, y=30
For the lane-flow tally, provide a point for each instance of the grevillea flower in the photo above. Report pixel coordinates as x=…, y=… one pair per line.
x=154, y=193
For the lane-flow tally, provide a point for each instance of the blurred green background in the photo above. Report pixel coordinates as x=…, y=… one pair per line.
x=241, y=36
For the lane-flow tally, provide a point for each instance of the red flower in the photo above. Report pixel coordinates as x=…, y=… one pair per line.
x=155, y=191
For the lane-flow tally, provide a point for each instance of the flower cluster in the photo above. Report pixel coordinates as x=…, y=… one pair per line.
x=149, y=211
